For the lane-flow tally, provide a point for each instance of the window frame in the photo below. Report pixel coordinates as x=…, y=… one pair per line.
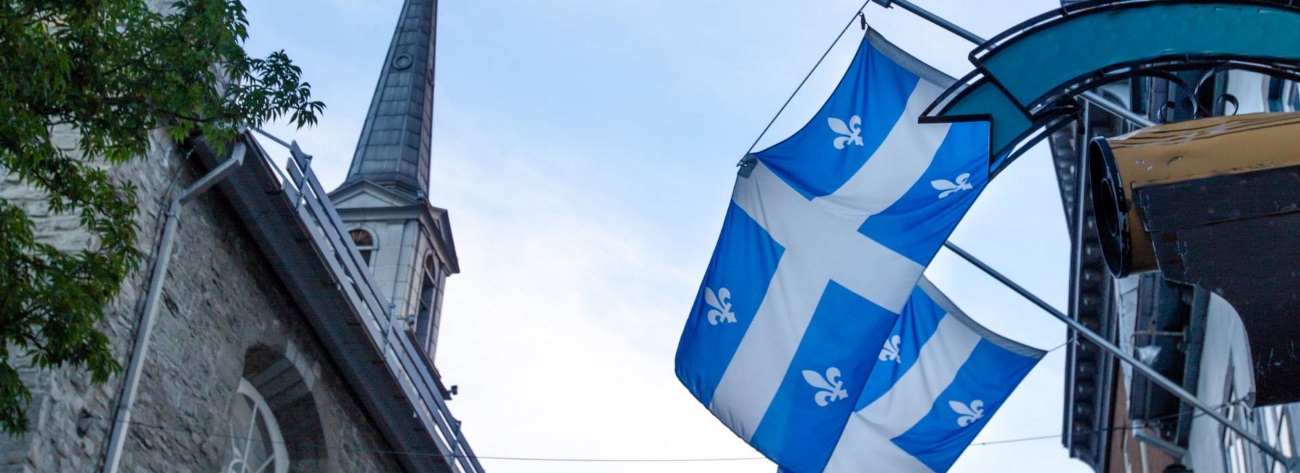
x=366, y=251
x=279, y=454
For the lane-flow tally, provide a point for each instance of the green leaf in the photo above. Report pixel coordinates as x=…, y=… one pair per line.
x=112, y=71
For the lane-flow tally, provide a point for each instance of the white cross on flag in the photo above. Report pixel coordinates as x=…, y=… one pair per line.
x=822, y=246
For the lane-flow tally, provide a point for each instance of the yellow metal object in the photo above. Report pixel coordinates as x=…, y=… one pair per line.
x=1208, y=147
x=1186, y=151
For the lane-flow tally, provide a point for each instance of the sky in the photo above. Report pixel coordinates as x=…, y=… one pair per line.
x=585, y=150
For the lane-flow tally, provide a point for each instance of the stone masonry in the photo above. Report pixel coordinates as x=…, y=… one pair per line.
x=224, y=317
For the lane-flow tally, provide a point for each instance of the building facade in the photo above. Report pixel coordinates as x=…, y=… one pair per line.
x=270, y=330
x=1118, y=421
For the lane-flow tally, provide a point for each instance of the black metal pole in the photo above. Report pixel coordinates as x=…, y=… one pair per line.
x=932, y=18
x=1138, y=366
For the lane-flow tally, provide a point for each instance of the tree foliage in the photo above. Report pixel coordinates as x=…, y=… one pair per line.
x=111, y=71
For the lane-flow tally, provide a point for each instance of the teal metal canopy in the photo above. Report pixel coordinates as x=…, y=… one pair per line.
x=1025, y=78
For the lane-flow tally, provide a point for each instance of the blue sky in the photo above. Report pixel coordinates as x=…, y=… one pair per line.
x=585, y=150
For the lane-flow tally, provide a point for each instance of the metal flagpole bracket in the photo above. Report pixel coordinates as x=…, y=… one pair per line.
x=933, y=18
x=746, y=166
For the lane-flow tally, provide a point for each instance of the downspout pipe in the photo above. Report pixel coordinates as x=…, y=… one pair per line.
x=122, y=418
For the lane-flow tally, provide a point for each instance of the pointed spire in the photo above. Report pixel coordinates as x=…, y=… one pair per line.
x=393, y=150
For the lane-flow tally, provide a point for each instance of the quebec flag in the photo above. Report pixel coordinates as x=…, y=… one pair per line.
x=821, y=248
x=938, y=379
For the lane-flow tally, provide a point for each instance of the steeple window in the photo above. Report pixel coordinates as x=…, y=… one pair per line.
x=429, y=309
x=365, y=243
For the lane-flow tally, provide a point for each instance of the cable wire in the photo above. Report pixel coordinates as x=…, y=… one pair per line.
x=806, y=77
x=590, y=459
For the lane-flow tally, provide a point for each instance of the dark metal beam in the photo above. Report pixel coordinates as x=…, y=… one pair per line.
x=1137, y=365
x=965, y=34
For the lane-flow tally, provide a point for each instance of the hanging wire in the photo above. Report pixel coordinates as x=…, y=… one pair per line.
x=806, y=77
x=205, y=433
x=193, y=431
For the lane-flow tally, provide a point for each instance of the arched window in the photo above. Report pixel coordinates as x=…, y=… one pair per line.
x=276, y=391
x=256, y=444
x=427, y=320
x=365, y=243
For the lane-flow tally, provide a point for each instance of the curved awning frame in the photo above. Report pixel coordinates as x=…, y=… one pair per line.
x=1072, y=50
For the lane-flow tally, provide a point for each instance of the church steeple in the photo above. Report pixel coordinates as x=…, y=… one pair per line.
x=399, y=234
x=393, y=150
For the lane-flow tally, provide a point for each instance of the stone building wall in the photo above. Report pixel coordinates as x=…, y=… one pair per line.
x=224, y=316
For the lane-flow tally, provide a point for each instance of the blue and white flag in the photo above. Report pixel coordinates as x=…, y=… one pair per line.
x=821, y=248
x=938, y=380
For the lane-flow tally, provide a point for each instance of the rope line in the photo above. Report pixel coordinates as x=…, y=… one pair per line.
x=806, y=77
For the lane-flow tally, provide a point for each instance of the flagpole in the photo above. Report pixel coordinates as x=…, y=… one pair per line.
x=1105, y=344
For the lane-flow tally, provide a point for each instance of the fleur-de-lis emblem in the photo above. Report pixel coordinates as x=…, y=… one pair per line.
x=721, y=306
x=949, y=187
x=967, y=414
x=832, y=387
x=890, y=351
x=852, y=131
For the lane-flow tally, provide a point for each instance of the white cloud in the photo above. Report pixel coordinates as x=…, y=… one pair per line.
x=561, y=330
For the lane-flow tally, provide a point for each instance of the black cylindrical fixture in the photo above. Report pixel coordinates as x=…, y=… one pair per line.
x=1111, y=206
